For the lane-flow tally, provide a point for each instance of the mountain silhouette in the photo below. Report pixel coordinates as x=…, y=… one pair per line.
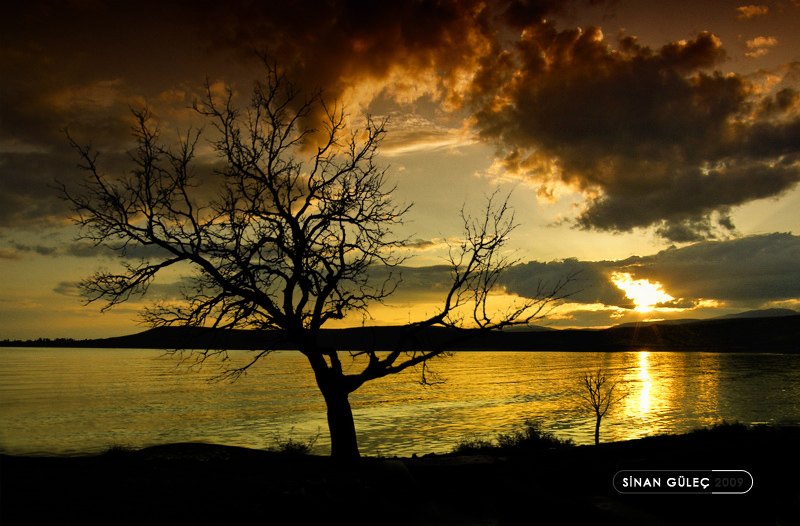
x=735, y=334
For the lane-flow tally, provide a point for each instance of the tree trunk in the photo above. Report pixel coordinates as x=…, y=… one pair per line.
x=597, y=431
x=334, y=388
x=344, y=444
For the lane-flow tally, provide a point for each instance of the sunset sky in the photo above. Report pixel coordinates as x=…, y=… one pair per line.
x=655, y=146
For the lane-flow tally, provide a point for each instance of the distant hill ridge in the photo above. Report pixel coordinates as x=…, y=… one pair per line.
x=758, y=332
x=763, y=313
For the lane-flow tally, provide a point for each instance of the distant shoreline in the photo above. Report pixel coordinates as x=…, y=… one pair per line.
x=776, y=334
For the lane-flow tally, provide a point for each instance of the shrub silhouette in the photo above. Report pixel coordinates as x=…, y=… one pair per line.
x=527, y=439
x=474, y=446
x=722, y=429
x=290, y=446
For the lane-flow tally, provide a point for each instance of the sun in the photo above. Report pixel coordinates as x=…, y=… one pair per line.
x=645, y=295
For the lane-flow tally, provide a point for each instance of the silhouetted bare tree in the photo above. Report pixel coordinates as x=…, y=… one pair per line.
x=291, y=241
x=599, y=395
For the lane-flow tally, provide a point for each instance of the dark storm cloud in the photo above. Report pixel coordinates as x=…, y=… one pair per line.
x=592, y=281
x=62, y=67
x=591, y=284
x=414, y=284
x=358, y=50
x=653, y=137
x=83, y=64
x=26, y=196
x=748, y=272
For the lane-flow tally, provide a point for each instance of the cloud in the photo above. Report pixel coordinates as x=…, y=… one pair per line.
x=749, y=272
x=592, y=284
x=41, y=250
x=26, y=197
x=703, y=279
x=68, y=288
x=745, y=272
x=427, y=244
x=79, y=65
x=760, y=46
x=10, y=254
x=415, y=284
x=761, y=42
x=156, y=291
x=82, y=65
x=651, y=137
x=751, y=11
x=407, y=133
x=85, y=249
x=357, y=50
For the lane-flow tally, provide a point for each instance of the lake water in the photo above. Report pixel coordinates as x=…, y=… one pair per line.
x=70, y=401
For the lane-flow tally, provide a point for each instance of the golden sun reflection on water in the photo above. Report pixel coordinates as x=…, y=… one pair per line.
x=644, y=377
x=660, y=386
x=79, y=400
x=647, y=394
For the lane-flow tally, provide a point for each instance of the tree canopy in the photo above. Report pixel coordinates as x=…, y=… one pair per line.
x=300, y=232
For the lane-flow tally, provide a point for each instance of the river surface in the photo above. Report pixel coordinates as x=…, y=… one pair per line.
x=74, y=401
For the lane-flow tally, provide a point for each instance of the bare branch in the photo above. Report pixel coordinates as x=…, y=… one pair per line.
x=303, y=214
x=476, y=265
x=599, y=395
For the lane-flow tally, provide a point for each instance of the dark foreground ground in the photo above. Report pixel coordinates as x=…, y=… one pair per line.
x=209, y=484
